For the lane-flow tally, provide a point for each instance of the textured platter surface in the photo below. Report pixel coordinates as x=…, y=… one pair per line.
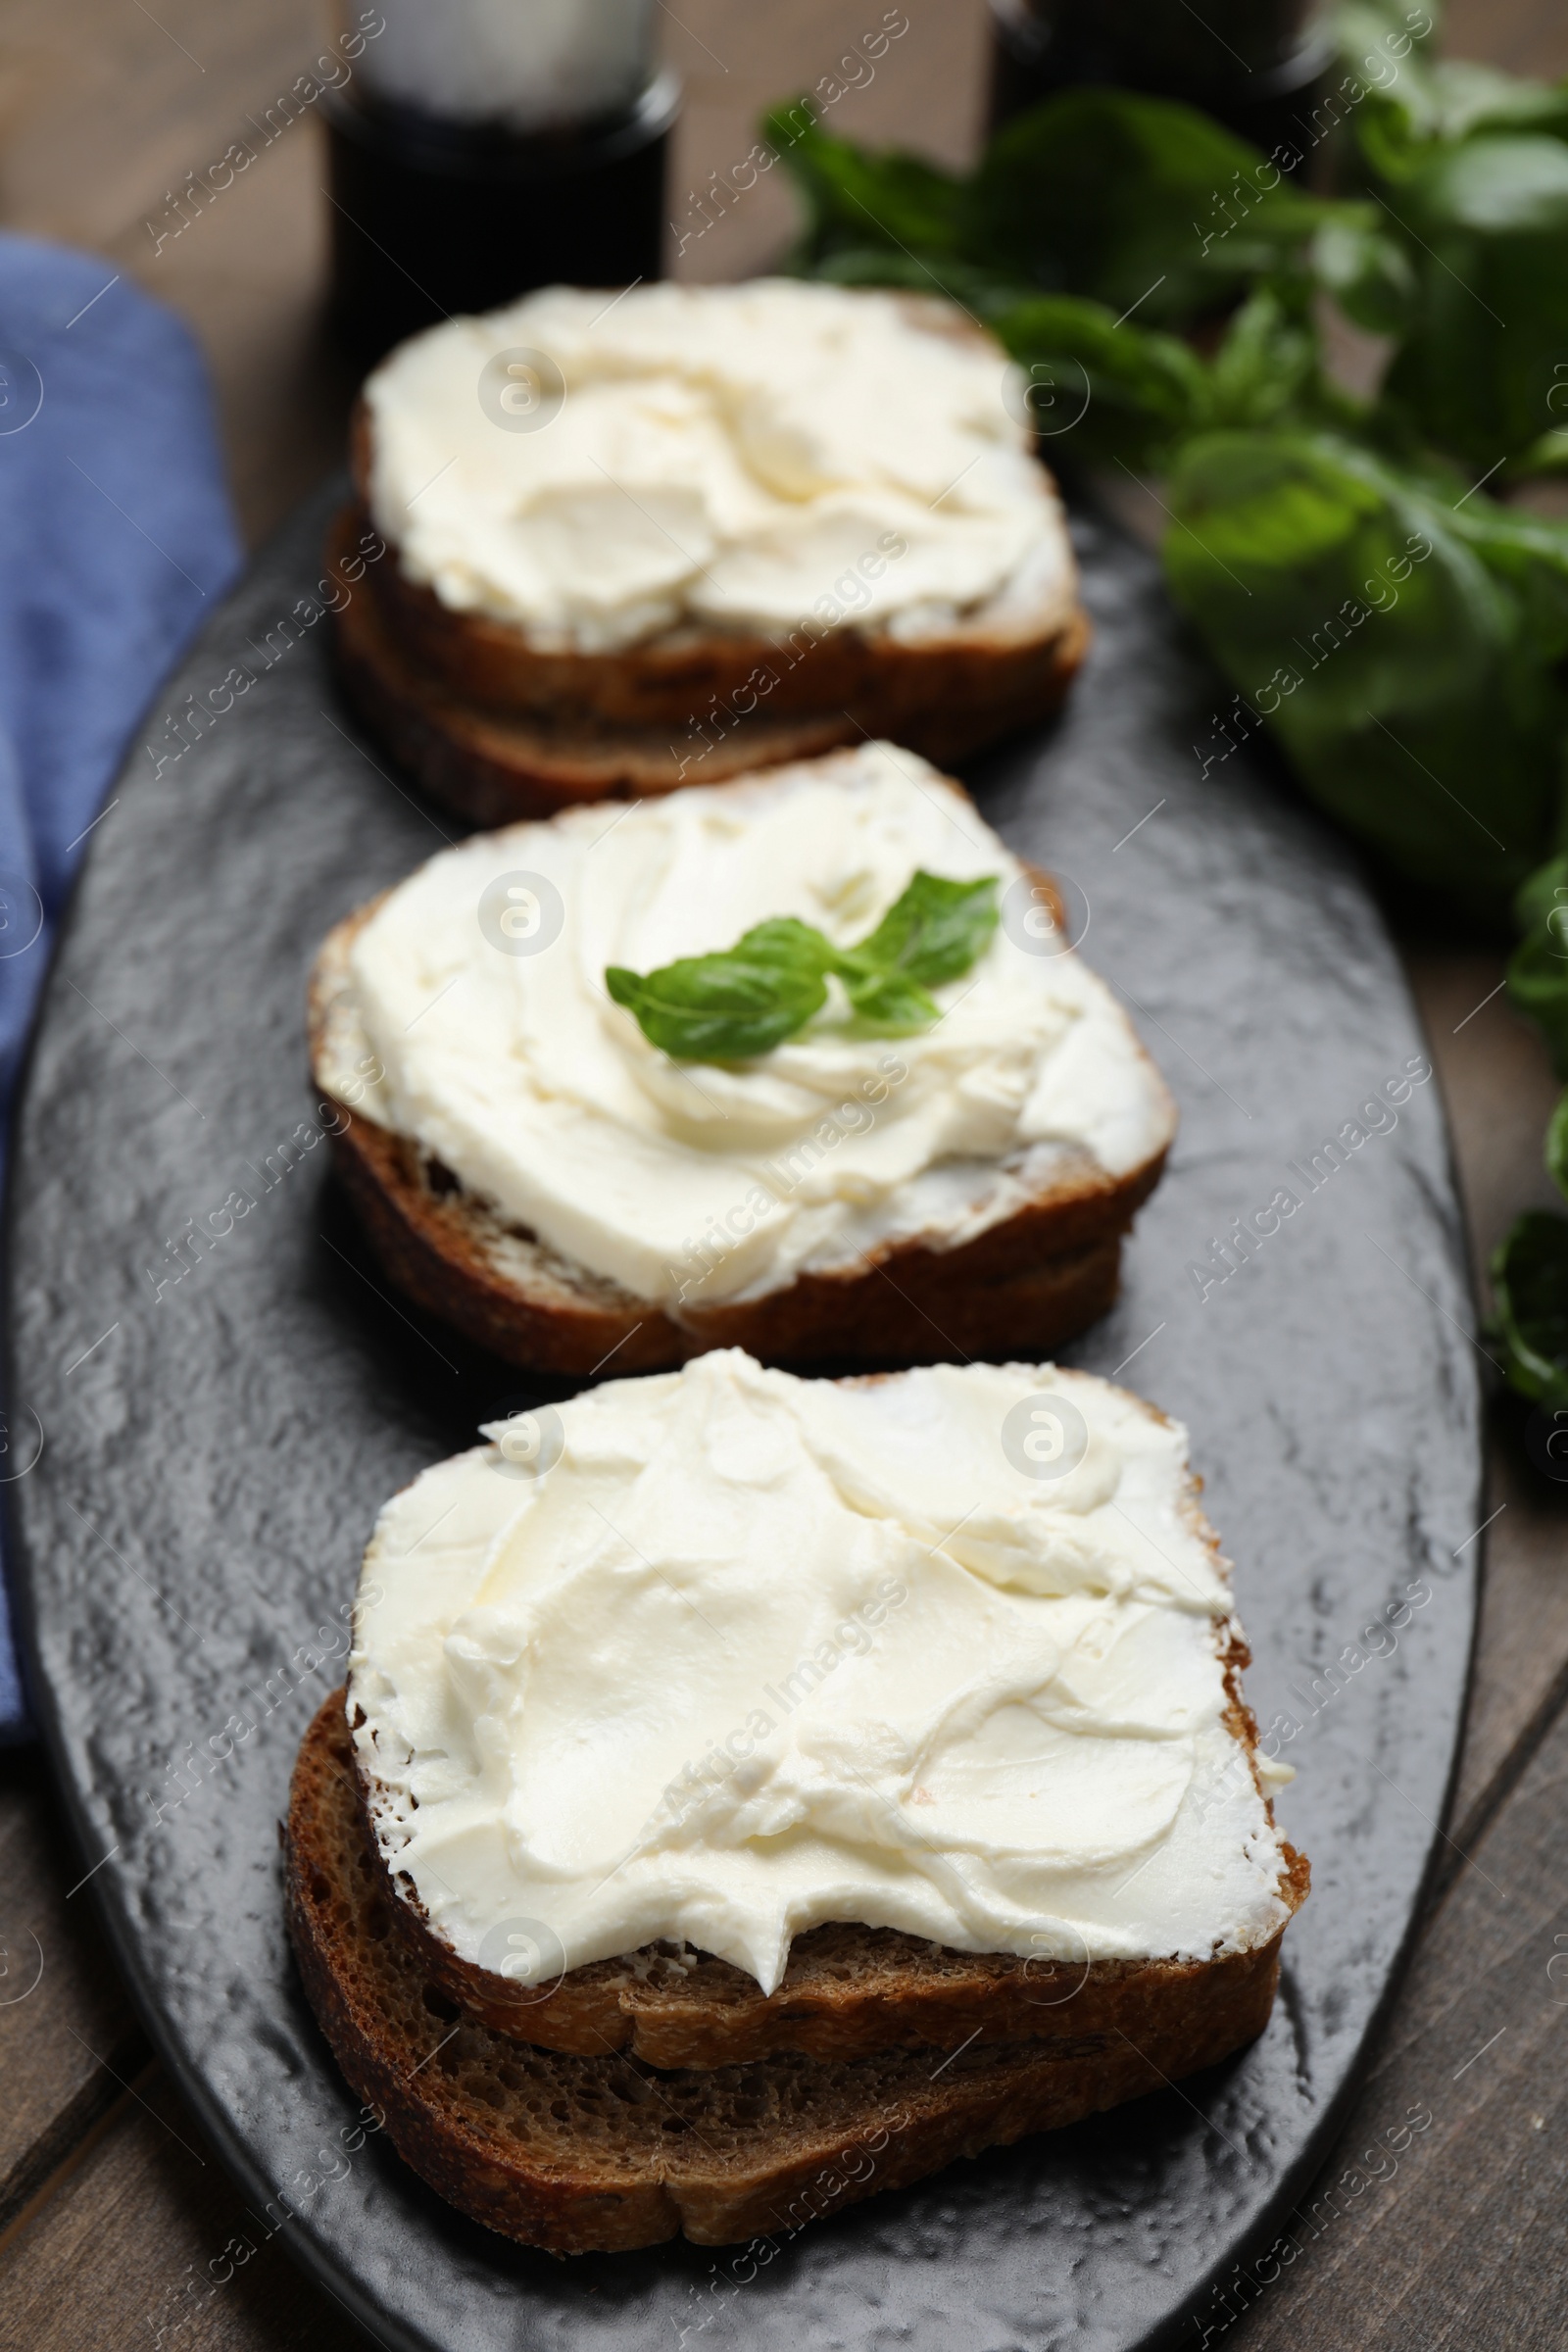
x=216, y=1441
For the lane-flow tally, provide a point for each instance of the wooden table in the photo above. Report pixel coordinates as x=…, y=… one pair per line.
x=111, y=2208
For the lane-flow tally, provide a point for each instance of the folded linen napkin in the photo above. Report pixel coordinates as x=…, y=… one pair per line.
x=117, y=541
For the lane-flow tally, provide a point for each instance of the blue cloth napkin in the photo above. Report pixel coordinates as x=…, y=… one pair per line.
x=117, y=542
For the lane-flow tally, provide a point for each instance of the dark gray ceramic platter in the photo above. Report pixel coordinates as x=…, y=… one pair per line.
x=212, y=1458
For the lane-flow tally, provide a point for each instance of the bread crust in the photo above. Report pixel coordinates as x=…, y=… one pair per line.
x=602, y=2153
x=1022, y=1287
x=499, y=731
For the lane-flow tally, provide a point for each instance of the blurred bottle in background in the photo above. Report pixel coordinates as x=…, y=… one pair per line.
x=485, y=147
x=1256, y=65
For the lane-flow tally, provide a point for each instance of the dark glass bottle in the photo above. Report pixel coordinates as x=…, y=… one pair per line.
x=1258, y=66
x=432, y=218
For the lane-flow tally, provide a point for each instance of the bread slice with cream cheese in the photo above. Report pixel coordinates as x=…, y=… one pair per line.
x=602, y=2154
x=726, y=525
x=1022, y=1726
x=1009, y=1250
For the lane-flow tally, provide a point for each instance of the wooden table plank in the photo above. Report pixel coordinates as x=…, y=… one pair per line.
x=1499, y=1090
x=147, y=2243
x=1522, y=36
x=1453, y=2234
x=250, y=275
x=62, y=2010
x=103, y=109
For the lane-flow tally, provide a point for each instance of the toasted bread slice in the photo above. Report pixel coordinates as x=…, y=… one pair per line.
x=1003, y=654
x=579, y=2154
x=1021, y=1288
x=849, y=1991
x=499, y=731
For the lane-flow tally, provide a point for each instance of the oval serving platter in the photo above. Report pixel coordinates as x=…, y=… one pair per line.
x=222, y=1418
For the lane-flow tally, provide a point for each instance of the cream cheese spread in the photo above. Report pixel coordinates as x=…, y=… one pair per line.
x=755, y=458
x=503, y=1056
x=722, y=1654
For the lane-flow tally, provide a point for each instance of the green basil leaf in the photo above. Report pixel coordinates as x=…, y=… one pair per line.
x=1367, y=268
x=1557, y=1144
x=1133, y=201
x=1267, y=364
x=1472, y=98
x=894, y=201
x=1483, y=225
x=890, y=1001
x=726, y=1007
x=1425, y=105
x=933, y=932
x=1403, y=650
x=787, y=945
x=1098, y=388
x=1529, y=1284
x=1538, y=971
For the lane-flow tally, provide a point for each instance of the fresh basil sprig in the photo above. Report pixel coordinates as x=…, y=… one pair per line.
x=1530, y=1264
x=1405, y=642
x=744, y=1002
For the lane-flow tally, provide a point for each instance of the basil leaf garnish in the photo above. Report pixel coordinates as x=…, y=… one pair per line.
x=731, y=1006
x=736, y=1005
x=934, y=931
x=890, y=1001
